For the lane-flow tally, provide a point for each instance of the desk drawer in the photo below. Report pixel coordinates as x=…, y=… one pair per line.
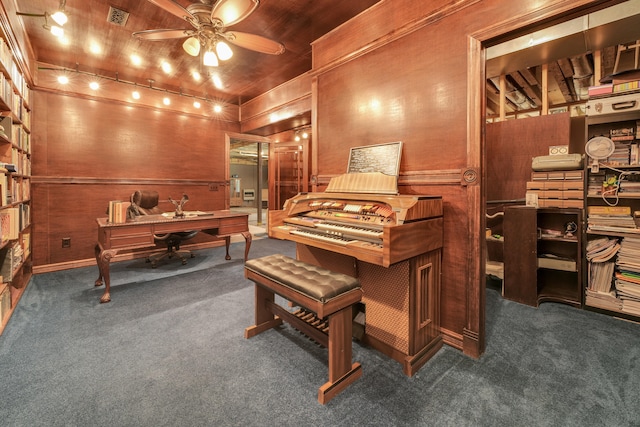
x=122, y=237
x=236, y=226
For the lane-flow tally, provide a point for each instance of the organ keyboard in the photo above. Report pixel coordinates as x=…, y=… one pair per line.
x=380, y=229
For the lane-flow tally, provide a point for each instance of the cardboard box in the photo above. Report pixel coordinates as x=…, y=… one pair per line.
x=573, y=194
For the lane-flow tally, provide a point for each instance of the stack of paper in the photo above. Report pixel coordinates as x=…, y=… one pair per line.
x=628, y=275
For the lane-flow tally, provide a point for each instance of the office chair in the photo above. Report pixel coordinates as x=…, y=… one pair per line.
x=145, y=202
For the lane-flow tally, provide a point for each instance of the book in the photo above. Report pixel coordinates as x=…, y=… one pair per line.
x=609, y=210
x=604, y=89
x=117, y=211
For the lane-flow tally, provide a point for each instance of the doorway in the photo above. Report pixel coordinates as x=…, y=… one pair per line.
x=247, y=171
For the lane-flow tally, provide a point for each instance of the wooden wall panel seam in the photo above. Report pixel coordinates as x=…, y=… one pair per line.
x=57, y=180
x=277, y=107
x=439, y=177
x=398, y=33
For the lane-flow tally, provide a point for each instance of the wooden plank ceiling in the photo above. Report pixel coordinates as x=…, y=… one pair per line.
x=247, y=74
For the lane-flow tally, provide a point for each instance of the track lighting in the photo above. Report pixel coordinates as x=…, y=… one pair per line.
x=66, y=76
x=302, y=133
x=59, y=17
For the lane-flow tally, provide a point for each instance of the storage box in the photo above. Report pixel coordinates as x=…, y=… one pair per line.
x=557, y=162
x=613, y=105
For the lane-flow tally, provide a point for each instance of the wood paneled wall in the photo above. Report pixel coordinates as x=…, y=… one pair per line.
x=511, y=146
x=87, y=152
x=413, y=71
x=403, y=70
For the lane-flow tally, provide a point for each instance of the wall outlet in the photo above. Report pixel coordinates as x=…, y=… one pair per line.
x=66, y=242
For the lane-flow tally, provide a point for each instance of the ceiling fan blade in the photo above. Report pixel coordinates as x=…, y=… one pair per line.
x=157, y=35
x=254, y=42
x=231, y=12
x=173, y=8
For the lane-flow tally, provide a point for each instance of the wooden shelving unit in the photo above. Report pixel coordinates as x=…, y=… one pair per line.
x=15, y=185
x=539, y=266
x=602, y=125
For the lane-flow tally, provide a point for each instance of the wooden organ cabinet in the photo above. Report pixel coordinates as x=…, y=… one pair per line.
x=391, y=243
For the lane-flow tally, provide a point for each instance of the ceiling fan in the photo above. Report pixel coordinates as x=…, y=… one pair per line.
x=210, y=20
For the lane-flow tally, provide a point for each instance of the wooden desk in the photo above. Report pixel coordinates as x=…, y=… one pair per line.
x=138, y=234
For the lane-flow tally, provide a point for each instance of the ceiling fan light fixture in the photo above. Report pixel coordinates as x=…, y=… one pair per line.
x=191, y=46
x=210, y=59
x=223, y=50
x=233, y=11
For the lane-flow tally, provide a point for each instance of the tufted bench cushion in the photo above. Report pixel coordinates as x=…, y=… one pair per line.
x=315, y=282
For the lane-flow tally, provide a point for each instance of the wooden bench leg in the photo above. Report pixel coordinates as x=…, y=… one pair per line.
x=341, y=371
x=265, y=319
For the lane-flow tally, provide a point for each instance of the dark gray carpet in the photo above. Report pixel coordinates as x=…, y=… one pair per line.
x=169, y=351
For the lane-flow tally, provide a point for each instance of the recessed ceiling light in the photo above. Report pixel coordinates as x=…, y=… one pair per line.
x=135, y=94
x=63, y=80
x=166, y=101
x=217, y=108
x=196, y=104
x=95, y=48
x=196, y=76
x=135, y=59
x=166, y=67
x=94, y=85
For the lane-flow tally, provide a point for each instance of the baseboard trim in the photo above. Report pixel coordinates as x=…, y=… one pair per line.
x=125, y=256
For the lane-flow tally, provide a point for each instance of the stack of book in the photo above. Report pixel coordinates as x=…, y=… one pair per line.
x=599, y=292
x=629, y=187
x=117, y=211
x=627, y=281
x=611, y=219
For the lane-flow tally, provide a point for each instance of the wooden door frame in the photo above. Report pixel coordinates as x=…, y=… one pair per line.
x=228, y=136
x=476, y=157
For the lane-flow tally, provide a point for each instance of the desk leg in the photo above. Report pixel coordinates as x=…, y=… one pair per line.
x=103, y=257
x=247, y=244
x=227, y=242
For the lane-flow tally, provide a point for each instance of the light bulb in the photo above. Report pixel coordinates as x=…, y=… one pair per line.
x=217, y=81
x=94, y=85
x=63, y=80
x=224, y=51
x=57, y=31
x=191, y=46
x=166, y=101
x=196, y=104
x=217, y=108
x=60, y=17
x=210, y=59
x=135, y=94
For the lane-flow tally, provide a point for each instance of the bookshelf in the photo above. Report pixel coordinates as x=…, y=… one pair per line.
x=612, y=206
x=15, y=183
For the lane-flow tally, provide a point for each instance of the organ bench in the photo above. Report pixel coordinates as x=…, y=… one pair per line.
x=325, y=299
